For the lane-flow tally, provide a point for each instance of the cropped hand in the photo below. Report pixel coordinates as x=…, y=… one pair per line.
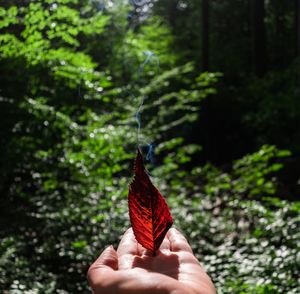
x=133, y=269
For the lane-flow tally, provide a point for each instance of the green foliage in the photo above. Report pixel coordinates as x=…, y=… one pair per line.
x=47, y=41
x=254, y=172
x=252, y=176
x=72, y=79
x=174, y=93
x=247, y=246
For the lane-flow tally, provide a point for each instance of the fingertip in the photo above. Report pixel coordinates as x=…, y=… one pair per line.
x=111, y=248
x=128, y=244
x=178, y=242
x=129, y=234
x=173, y=234
x=108, y=249
x=173, y=230
x=176, y=232
x=128, y=231
x=107, y=259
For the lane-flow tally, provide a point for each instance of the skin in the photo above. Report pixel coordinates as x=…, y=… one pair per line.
x=133, y=269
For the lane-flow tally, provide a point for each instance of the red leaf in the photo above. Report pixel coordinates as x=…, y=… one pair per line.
x=149, y=213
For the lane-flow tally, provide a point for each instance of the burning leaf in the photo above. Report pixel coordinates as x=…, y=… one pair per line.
x=149, y=213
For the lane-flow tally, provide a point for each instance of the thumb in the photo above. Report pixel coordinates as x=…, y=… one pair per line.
x=107, y=261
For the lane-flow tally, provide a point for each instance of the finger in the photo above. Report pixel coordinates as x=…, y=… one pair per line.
x=140, y=249
x=178, y=242
x=165, y=246
x=107, y=261
x=127, y=250
x=128, y=244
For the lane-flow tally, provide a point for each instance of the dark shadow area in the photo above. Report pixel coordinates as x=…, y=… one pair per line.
x=165, y=264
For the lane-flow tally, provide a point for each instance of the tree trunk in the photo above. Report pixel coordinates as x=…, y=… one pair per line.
x=259, y=56
x=205, y=35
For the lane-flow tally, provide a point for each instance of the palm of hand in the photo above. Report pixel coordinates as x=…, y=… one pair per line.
x=133, y=269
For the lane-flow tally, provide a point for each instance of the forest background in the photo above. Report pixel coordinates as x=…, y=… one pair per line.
x=215, y=86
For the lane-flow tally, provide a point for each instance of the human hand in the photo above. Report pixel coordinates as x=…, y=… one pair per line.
x=133, y=269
